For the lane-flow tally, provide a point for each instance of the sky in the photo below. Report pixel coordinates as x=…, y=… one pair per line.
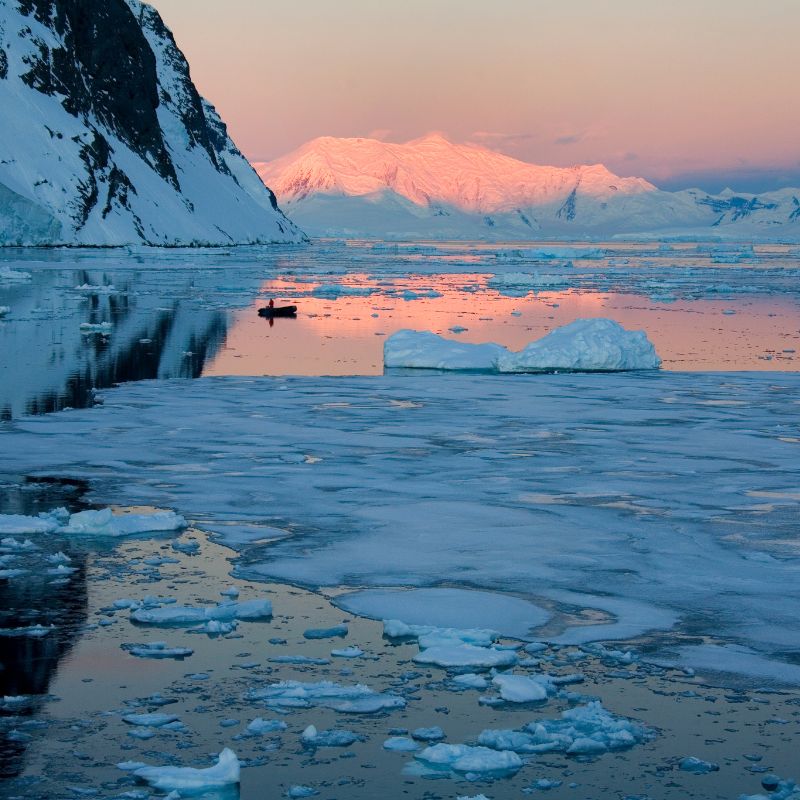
x=684, y=93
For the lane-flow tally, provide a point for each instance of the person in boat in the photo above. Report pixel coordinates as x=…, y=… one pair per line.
x=271, y=304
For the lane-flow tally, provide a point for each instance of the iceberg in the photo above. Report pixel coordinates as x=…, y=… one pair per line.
x=225, y=772
x=585, y=345
x=426, y=350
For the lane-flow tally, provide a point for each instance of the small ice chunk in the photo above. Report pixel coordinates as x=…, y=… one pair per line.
x=432, y=734
x=697, y=766
x=471, y=680
x=260, y=726
x=301, y=791
x=157, y=650
x=400, y=744
x=521, y=688
x=326, y=633
x=348, y=652
x=155, y=719
x=225, y=772
x=312, y=737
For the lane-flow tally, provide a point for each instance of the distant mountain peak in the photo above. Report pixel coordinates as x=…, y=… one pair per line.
x=431, y=187
x=431, y=171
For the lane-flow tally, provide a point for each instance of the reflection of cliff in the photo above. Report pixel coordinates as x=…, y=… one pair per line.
x=48, y=363
x=28, y=664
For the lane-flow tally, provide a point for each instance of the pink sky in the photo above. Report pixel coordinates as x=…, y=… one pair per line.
x=647, y=87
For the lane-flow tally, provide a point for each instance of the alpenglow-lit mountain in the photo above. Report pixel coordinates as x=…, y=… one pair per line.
x=431, y=187
x=104, y=139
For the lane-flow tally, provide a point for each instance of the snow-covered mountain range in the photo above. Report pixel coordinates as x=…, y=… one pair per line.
x=431, y=187
x=104, y=139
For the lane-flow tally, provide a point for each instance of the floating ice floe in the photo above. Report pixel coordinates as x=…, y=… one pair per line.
x=155, y=719
x=180, y=616
x=326, y=633
x=523, y=688
x=300, y=791
x=105, y=523
x=400, y=744
x=697, y=766
x=225, y=772
x=97, y=327
x=157, y=650
x=584, y=730
x=12, y=276
x=466, y=655
x=260, y=726
x=4, y=310
x=432, y=734
x=585, y=345
x=461, y=759
x=429, y=635
x=311, y=737
x=448, y=608
x=348, y=652
x=18, y=524
x=355, y=699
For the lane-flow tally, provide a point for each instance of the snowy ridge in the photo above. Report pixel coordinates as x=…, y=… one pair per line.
x=86, y=164
x=433, y=188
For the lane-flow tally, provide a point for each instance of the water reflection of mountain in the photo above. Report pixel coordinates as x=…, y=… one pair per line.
x=48, y=362
x=28, y=664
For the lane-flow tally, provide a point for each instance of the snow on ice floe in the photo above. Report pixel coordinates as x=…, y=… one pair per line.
x=447, y=608
x=353, y=699
x=585, y=730
x=180, y=616
x=585, y=345
x=225, y=772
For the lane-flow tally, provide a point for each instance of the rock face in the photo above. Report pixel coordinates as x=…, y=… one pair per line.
x=106, y=141
x=431, y=187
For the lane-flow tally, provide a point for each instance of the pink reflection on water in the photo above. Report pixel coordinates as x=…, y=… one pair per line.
x=345, y=336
